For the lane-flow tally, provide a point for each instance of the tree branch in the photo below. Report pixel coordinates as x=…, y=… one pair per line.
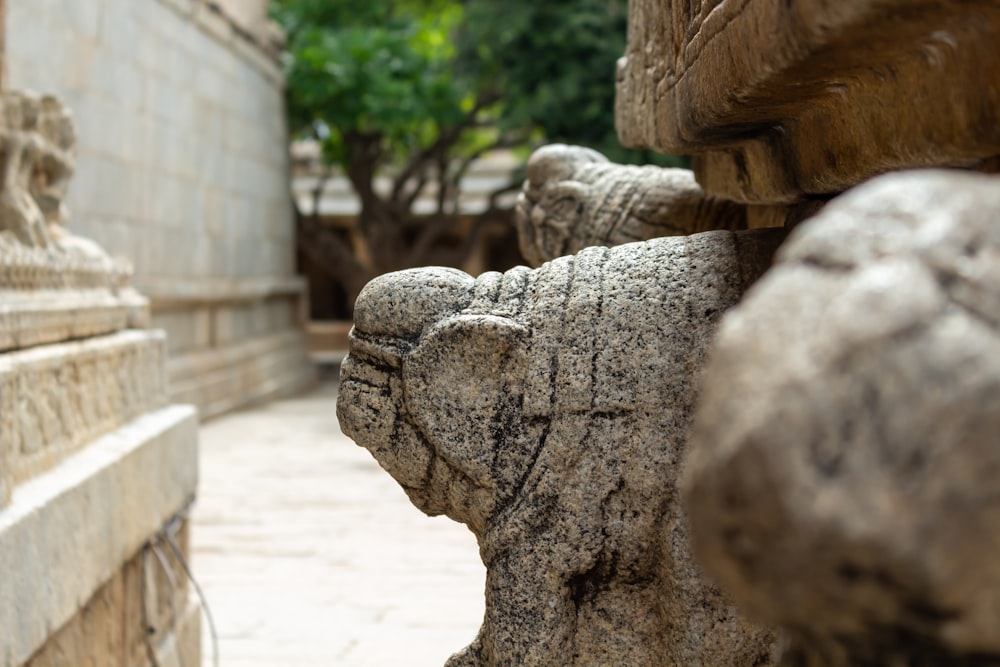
x=446, y=138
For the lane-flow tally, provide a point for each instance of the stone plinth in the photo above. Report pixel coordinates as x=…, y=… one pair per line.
x=781, y=100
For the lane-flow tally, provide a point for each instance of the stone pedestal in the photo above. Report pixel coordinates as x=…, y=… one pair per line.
x=96, y=467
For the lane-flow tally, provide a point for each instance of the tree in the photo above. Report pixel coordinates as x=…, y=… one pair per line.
x=419, y=89
x=555, y=63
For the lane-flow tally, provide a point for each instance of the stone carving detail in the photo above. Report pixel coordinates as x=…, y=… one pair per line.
x=548, y=410
x=846, y=453
x=79, y=391
x=54, y=285
x=828, y=95
x=574, y=198
x=36, y=148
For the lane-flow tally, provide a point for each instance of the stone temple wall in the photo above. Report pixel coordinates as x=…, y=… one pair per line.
x=182, y=167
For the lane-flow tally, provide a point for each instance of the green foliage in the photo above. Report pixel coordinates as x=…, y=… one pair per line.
x=371, y=67
x=408, y=70
x=555, y=63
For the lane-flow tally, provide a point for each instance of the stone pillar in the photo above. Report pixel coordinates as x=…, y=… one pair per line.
x=97, y=468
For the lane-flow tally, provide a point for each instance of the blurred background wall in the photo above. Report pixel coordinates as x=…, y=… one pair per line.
x=183, y=168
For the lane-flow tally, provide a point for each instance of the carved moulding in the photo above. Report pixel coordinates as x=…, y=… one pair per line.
x=844, y=475
x=779, y=100
x=548, y=410
x=53, y=285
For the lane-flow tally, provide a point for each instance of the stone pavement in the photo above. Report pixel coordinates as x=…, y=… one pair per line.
x=311, y=556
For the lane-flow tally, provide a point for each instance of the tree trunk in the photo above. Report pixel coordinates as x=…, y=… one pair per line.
x=332, y=255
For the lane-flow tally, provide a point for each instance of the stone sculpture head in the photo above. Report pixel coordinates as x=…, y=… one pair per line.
x=431, y=390
x=547, y=409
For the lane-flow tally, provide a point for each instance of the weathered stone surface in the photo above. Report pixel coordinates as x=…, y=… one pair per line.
x=161, y=618
x=845, y=466
x=547, y=409
x=574, y=197
x=167, y=159
x=781, y=99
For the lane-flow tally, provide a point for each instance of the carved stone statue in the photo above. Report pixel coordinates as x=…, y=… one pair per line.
x=36, y=155
x=574, y=198
x=547, y=409
x=46, y=271
x=845, y=466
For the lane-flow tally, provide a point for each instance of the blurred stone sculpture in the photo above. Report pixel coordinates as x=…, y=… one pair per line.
x=46, y=271
x=548, y=410
x=574, y=198
x=845, y=466
x=37, y=140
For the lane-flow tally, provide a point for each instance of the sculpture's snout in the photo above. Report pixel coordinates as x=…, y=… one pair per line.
x=403, y=304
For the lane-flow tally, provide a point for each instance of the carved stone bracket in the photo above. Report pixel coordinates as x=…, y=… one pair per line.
x=779, y=100
x=574, y=198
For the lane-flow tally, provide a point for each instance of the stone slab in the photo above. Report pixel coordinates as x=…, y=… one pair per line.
x=780, y=99
x=122, y=489
x=54, y=399
x=145, y=608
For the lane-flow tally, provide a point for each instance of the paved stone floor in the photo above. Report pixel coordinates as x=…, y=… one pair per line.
x=311, y=556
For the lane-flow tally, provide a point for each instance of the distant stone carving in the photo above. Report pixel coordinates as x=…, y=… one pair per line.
x=548, y=410
x=574, y=198
x=845, y=466
x=56, y=285
x=36, y=152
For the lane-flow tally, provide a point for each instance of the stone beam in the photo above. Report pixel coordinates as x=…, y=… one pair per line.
x=780, y=100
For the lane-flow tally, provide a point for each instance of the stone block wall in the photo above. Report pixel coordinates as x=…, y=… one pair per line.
x=182, y=167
